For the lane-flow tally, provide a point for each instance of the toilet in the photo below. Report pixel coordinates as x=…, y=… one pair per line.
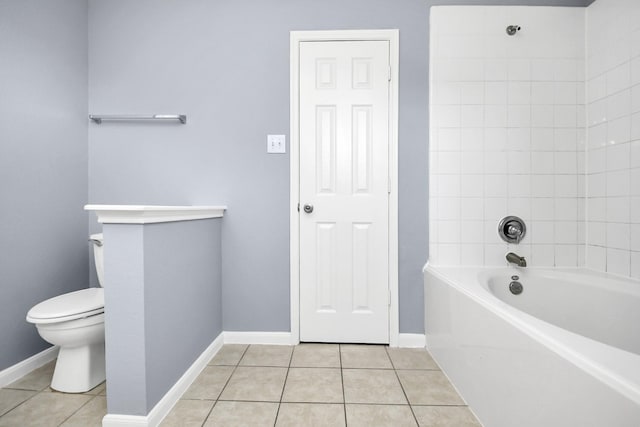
x=75, y=322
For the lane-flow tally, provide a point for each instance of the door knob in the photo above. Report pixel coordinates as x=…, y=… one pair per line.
x=308, y=208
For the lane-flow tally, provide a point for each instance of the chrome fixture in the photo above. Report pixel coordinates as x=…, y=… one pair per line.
x=512, y=229
x=513, y=29
x=308, y=208
x=515, y=287
x=516, y=259
x=96, y=242
x=98, y=118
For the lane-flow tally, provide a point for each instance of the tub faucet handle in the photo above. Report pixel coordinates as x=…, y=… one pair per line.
x=518, y=260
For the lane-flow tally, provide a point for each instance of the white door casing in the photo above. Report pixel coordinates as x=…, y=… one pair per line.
x=343, y=162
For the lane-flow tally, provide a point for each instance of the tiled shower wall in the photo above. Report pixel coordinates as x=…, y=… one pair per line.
x=613, y=150
x=507, y=133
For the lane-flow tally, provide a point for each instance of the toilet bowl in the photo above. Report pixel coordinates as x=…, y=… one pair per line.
x=75, y=322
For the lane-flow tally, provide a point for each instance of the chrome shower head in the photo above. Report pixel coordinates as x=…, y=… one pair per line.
x=513, y=29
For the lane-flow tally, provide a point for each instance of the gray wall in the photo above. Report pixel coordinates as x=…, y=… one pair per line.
x=163, y=293
x=226, y=65
x=43, y=162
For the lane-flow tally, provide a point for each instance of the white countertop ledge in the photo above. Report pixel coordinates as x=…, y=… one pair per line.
x=149, y=214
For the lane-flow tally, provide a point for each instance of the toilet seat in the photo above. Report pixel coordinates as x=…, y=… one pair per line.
x=70, y=306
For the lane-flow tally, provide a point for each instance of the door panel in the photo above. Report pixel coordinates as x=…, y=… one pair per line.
x=344, y=172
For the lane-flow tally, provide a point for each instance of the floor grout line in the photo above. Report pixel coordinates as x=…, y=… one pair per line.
x=395, y=371
x=286, y=377
x=235, y=367
x=344, y=397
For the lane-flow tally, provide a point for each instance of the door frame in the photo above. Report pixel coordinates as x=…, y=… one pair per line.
x=296, y=37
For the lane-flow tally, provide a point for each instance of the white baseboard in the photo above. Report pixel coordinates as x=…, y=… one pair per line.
x=412, y=340
x=164, y=406
x=20, y=369
x=273, y=338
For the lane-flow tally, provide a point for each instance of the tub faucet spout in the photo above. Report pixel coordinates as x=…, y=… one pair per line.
x=516, y=259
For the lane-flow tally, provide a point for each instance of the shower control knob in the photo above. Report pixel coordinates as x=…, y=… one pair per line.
x=308, y=208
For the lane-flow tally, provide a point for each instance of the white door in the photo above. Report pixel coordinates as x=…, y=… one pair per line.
x=344, y=177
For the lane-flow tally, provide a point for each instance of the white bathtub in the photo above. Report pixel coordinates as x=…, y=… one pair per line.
x=565, y=352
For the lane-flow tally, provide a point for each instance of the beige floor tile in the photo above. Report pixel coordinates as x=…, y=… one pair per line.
x=209, y=383
x=229, y=354
x=372, y=386
x=38, y=379
x=267, y=355
x=90, y=415
x=445, y=416
x=380, y=416
x=44, y=410
x=310, y=415
x=242, y=414
x=428, y=388
x=263, y=384
x=365, y=356
x=99, y=389
x=9, y=399
x=411, y=358
x=188, y=413
x=323, y=385
x=316, y=356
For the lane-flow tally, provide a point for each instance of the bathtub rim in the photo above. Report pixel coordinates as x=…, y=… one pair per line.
x=613, y=366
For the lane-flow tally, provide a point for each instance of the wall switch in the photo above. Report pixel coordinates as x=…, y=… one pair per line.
x=276, y=144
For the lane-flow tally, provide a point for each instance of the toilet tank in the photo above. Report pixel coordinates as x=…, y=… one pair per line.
x=98, y=255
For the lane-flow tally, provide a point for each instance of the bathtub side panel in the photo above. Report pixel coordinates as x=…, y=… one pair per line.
x=507, y=377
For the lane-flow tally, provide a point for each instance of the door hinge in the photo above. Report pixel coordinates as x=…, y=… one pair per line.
x=389, y=73
x=298, y=207
x=389, y=302
x=388, y=185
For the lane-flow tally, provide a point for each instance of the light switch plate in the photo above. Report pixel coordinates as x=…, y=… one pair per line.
x=276, y=144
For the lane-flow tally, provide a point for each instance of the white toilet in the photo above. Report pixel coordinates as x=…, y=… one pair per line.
x=75, y=322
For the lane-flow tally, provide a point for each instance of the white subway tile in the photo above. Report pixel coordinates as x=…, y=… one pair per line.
x=565, y=162
x=618, y=235
x=565, y=116
x=472, y=93
x=597, y=209
x=472, y=116
x=542, y=139
x=618, y=104
x=495, y=185
x=635, y=265
x=472, y=139
x=472, y=185
x=619, y=130
x=472, y=231
x=542, y=255
x=619, y=78
x=596, y=258
x=542, y=93
x=542, y=209
x=519, y=69
x=495, y=116
x=542, y=162
x=565, y=93
x=597, y=233
x=542, y=116
x=519, y=186
x=565, y=139
x=542, y=69
x=495, y=70
x=619, y=262
x=634, y=241
x=617, y=209
x=542, y=185
x=618, y=183
x=519, y=139
x=618, y=156
x=495, y=93
x=519, y=93
x=495, y=139
x=472, y=208
x=472, y=254
x=597, y=184
x=566, y=186
x=566, y=255
x=519, y=116
x=566, y=209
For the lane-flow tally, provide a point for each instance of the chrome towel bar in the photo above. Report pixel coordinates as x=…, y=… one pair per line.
x=98, y=118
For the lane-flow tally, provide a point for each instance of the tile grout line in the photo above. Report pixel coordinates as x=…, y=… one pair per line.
x=286, y=377
x=395, y=371
x=77, y=410
x=344, y=398
x=23, y=402
x=224, y=386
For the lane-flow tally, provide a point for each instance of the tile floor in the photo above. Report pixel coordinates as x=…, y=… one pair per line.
x=262, y=385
